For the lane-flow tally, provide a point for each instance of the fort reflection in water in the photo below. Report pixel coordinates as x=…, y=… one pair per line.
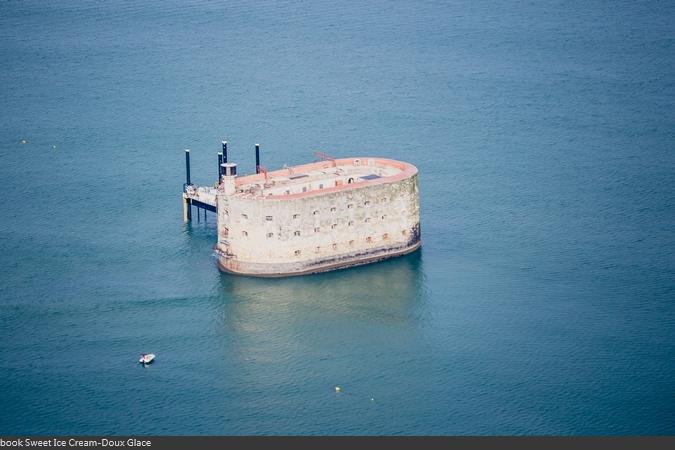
x=392, y=290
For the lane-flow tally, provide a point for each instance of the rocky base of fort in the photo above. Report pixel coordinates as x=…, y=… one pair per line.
x=229, y=264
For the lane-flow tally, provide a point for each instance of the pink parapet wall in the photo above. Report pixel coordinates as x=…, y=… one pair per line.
x=406, y=170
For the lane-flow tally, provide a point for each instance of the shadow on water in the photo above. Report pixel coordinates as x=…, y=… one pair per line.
x=203, y=228
x=391, y=290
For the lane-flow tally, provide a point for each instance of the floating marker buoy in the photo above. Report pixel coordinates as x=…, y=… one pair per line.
x=337, y=389
x=53, y=146
x=23, y=141
x=372, y=399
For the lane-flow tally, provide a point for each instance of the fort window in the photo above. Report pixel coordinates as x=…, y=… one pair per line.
x=304, y=189
x=268, y=218
x=334, y=226
x=384, y=199
x=367, y=219
x=350, y=223
x=244, y=216
x=244, y=233
x=366, y=203
x=226, y=231
x=317, y=249
x=269, y=235
x=226, y=212
x=297, y=252
x=334, y=246
x=351, y=243
x=296, y=216
x=317, y=229
x=288, y=192
x=385, y=236
x=315, y=212
x=320, y=186
x=383, y=217
x=297, y=233
x=369, y=240
x=350, y=206
x=333, y=209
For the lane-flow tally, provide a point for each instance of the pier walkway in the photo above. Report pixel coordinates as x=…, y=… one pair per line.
x=199, y=196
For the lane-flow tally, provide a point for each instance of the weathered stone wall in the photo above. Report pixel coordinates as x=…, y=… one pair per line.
x=268, y=236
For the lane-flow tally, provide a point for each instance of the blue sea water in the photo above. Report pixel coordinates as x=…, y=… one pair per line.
x=542, y=301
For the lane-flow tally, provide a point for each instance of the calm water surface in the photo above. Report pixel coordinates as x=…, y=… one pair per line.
x=542, y=301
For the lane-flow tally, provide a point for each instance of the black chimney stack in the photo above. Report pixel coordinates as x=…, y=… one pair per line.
x=224, y=152
x=257, y=158
x=220, y=161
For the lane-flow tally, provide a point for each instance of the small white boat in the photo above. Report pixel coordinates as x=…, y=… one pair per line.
x=146, y=358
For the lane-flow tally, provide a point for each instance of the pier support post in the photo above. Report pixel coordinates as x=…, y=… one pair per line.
x=187, y=166
x=185, y=209
x=257, y=158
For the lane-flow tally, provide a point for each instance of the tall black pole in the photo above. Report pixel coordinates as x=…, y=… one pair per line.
x=224, y=152
x=187, y=166
x=257, y=158
x=220, y=161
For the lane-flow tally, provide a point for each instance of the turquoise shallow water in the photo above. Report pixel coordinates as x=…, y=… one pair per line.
x=541, y=302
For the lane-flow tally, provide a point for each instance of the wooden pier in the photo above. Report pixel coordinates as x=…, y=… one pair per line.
x=199, y=196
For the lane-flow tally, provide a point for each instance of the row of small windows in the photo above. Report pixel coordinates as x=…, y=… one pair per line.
x=297, y=216
x=334, y=246
x=333, y=209
x=317, y=229
x=349, y=224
